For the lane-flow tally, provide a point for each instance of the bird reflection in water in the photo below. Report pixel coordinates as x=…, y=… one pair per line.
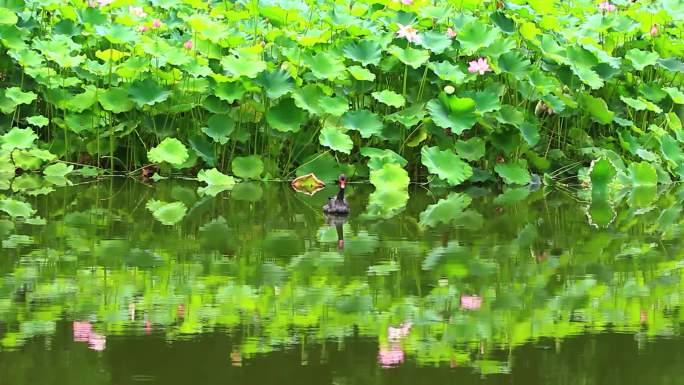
x=337, y=220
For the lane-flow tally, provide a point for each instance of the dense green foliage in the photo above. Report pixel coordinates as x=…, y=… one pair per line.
x=451, y=90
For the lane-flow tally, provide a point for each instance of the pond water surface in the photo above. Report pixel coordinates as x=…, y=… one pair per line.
x=253, y=286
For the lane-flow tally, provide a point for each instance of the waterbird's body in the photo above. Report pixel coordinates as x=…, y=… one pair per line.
x=338, y=204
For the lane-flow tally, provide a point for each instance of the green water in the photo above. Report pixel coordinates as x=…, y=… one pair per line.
x=253, y=287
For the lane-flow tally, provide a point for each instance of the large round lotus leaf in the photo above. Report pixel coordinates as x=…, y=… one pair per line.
x=435, y=41
x=147, y=92
x=445, y=210
x=238, y=67
x=514, y=63
x=308, y=98
x=379, y=157
x=385, y=203
x=203, y=148
x=671, y=64
x=83, y=101
x=18, y=138
x=38, y=121
x=447, y=71
x=324, y=166
x=360, y=73
x=412, y=57
x=476, y=35
x=247, y=191
x=365, y=52
x=170, y=150
x=408, y=117
x=670, y=149
x=325, y=65
x=363, y=121
x=286, y=116
x=334, y=105
x=641, y=59
x=215, y=180
x=167, y=213
x=446, y=165
x=230, y=91
x=219, y=127
x=390, y=177
x=247, y=167
x=389, y=98
x=643, y=174
x=8, y=17
x=115, y=100
x=472, y=149
x=20, y=97
x=276, y=83
x=459, y=119
x=597, y=108
x=601, y=173
x=514, y=172
x=58, y=170
x=332, y=137
x=16, y=208
x=676, y=94
x=504, y=23
x=529, y=132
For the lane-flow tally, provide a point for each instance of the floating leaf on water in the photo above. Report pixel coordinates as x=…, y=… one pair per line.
x=445, y=210
x=58, y=170
x=167, y=213
x=215, y=180
x=16, y=208
x=307, y=184
x=247, y=167
x=170, y=150
x=247, y=191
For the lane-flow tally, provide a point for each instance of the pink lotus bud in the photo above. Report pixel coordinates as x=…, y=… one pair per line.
x=654, y=30
x=143, y=28
x=188, y=44
x=156, y=23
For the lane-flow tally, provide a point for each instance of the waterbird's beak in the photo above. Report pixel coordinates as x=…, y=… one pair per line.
x=343, y=183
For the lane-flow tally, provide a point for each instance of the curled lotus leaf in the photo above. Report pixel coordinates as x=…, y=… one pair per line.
x=307, y=184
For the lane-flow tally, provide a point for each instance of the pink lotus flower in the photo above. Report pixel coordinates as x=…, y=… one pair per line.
x=451, y=32
x=82, y=330
x=391, y=356
x=471, y=302
x=137, y=11
x=654, y=30
x=405, y=2
x=188, y=44
x=97, y=341
x=409, y=33
x=400, y=332
x=156, y=23
x=480, y=65
x=143, y=28
x=607, y=6
x=99, y=3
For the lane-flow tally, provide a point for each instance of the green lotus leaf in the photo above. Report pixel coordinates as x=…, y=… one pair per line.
x=446, y=165
x=643, y=174
x=325, y=65
x=447, y=71
x=671, y=64
x=445, y=211
x=286, y=116
x=219, y=127
x=597, y=108
x=215, y=180
x=276, y=83
x=167, y=213
x=641, y=59
x=238, y=67
x=529, y=132
x=637, y=104
x=408, y=117
x=390, y=177
x=671, y=151
x=472, y=149
x=385, y=203
x=676, y=94
x=333, y=138
x=115, y=100
x=652, y=92
x=16, y=208
x=38, y=121
x=504, y=23
x=487, y=100
x=230, y=91
x=365, y=122
x=247, y=167
x=514, y=63
x=476, y=35
x=147, y=92
x=170, y=150
x=203, y=148
x=365, y=52
x=378, y=157
x=18, y=138
x=324, y=166
x=8, y=17
x=410, y=56
x=588, y=76
x=334, y=105
x=58, y=170
x=20, y=97
x=83, y=101
x=247, y=191
x=514, y=172
x=389, y=98
x=117, y=33
x=360, y=73
x=435, y=41
x=602, y=173
x=454, y=113
x=510, y=115
x=308, y=98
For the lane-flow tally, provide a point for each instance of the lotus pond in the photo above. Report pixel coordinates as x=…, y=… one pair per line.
x=107, y=283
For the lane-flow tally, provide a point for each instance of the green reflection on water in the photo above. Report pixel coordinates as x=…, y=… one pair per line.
x=455, y=279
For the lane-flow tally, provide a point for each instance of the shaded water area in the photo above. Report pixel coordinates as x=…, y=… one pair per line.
x=253, y=286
